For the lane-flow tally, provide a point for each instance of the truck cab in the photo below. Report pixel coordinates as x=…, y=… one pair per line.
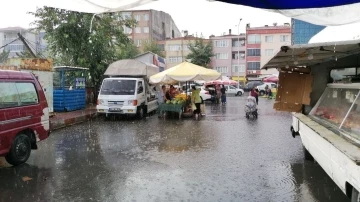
x=131, y=96
x=127, y=89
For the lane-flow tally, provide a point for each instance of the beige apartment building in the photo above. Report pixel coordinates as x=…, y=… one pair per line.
x=262, y=44
x=176, y=50
x=151, y=25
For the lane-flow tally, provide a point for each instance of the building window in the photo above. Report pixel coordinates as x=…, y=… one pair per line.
x=146, y=29
x=269, y=52
x=138, y=42
x=253, y=52
x=174, y=47
x=235, y=55
x=137, y=17
x=222, y=43
x=238, y=68
x=221, y=56
x=284, y=38
x=269, y=39
x=186, y=47
x=138, y=30
x=253, y=65
x=125, y=15
x=146, y=17
x=175, y=59
x=127, y=30
x=238, y=43
x=254, y=39
x=223, y=70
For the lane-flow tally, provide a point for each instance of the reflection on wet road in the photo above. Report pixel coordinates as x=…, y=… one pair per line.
x=223, y=157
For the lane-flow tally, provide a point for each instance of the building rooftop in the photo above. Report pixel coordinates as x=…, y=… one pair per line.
x=11, y=28
x=189, y=37
x=270, y=27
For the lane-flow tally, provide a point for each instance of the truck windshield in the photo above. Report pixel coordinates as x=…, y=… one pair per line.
x=118, y=87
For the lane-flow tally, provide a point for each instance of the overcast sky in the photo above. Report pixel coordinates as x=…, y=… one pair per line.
x=196, y=16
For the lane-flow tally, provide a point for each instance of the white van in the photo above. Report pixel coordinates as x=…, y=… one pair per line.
x=127, y=94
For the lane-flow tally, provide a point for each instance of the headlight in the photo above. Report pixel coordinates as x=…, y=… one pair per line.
x=102, y=101
x=130, y=102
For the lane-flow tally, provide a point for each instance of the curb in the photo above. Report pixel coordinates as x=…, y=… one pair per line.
x=62, y=123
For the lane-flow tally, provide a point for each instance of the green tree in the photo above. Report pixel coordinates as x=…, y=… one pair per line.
x=4, y=55
x=70, y=41
x=201, y=52
x=153, y=47
x=127, y=51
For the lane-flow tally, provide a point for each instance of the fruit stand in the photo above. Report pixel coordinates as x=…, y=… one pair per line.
x=183, y=72
x=177, y=105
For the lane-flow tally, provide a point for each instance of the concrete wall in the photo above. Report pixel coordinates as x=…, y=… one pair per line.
x=160, y=18
x=275, y=46
x=229, y=62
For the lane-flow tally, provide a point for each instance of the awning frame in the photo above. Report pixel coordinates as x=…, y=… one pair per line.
x=300, y=55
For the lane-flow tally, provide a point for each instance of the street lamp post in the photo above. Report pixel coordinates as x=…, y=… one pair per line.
x=238, y=70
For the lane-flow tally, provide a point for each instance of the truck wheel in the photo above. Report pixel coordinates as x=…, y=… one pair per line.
x=307, y=155
x=140, y=112
x=355, y=197
x=20, y=150
x=239, y=93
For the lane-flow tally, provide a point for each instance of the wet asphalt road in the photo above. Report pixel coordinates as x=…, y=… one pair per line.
x=223, y=157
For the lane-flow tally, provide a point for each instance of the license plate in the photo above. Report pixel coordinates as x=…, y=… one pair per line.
x=115, y=109
x=130, y=110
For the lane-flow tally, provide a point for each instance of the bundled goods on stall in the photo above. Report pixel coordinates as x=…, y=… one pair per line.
x=179, y=99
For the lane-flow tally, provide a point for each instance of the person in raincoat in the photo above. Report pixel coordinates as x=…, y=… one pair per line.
x=196, y=99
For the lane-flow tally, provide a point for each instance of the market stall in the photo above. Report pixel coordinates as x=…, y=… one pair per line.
x=69, y=92
x=184, y=72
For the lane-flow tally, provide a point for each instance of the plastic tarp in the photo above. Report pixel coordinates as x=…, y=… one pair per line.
x=327, y=13
x=185, y=71
x=131, y=68
x=92, y=6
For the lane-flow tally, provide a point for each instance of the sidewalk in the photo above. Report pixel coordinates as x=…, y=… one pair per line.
x=64, y=119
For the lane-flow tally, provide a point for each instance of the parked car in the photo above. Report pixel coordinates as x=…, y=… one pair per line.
x=252, y=84
x=261, y=88
x=24, y=115
x=234, y=90
x=204, y=94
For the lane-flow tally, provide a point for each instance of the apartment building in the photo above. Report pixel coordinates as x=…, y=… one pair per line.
x=10, y=36
x=177, y=49
x=151, y=25
x=262, y=44
x=230, y=57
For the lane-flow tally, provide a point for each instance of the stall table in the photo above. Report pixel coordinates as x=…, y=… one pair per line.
x=179, y=108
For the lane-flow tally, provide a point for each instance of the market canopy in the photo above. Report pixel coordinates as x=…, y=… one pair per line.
x=131, y=67
x=185, y=71
x=319, y=12
x=312, y=54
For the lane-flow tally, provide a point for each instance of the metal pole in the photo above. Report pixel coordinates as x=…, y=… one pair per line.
x=238, y=56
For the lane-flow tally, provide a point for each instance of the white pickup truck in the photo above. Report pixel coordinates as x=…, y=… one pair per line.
x=127, y=90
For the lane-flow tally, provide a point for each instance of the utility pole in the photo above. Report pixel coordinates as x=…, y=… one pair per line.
x=26, y=45
x=238, y=56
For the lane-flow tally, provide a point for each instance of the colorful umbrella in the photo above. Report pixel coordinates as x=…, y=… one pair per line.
x=271, y=79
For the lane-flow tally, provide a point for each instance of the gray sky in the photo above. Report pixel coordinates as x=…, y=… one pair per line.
x=196, y=16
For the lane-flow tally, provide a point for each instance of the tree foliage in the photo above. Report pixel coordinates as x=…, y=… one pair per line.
x=153, y=47
x=70, y=41
x=4, y=55
x=201, y=52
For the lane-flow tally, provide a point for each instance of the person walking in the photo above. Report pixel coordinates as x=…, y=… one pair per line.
x=223, y=94
x=254, y=93
x=196, y=99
